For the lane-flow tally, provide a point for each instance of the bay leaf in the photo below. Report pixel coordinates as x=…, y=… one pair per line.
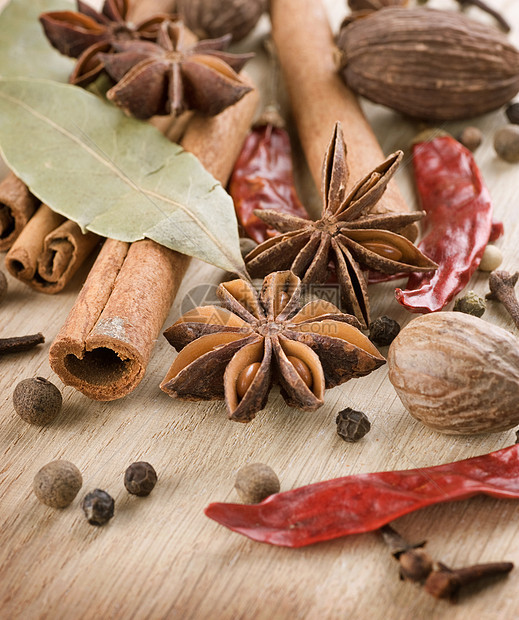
x=112, y=174
x=24, y=48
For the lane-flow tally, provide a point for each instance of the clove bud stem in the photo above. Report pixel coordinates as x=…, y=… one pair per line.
x=502, y=285
x=20, y=343
x=415, y=563
x=504, y=25
x=445, y=583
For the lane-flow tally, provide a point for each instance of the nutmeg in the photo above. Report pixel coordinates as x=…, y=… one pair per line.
x=456, y=373
x=210, y=19
x=428, y=63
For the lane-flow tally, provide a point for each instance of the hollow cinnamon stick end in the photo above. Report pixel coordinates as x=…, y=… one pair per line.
x=17, y=205
x=108, y=370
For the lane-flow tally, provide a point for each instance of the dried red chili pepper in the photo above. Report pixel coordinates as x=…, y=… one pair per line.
x=366, y=502
x=457, y=225
x=262, y=178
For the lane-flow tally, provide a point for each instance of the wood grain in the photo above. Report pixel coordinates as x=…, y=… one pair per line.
x=160, y=557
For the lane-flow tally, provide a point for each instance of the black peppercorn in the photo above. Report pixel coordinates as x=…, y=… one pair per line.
x=140, y=478
x=352, y=425
x=516, y=436
x=37, y=400
x=512, y=113
x=98, y=507
x=383, y=331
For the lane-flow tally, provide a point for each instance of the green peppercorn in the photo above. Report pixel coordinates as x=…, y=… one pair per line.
x=140, y=478
x=471, y=303
x=383, y=331
x=57, y=483
x=255, y=482
x=352, y=425
x=98, y=507
x=37, y=401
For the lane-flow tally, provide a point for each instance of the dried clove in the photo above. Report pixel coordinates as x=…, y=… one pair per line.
x=415, y=563
x=502, y=285
x=20, y=343
x=446, y=583
x=3, y=285
x=503, y=24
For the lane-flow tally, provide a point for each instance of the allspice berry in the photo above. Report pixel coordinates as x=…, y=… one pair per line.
x=506, y=143
x=37, y=401
x=255, y=482
x=98, y=507
x=57, y=483
x=3, y=285
x=471, y=138
x=140, y=478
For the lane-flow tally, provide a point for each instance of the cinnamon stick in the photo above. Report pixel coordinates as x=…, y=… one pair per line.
x=17, y=205
x=49, y=250
x=105, y=345
x=318, y=96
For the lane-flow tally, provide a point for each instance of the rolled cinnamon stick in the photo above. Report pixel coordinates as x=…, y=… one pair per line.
x=17, y=206
x=318, y=96
x=105, y=345
x=48, y=251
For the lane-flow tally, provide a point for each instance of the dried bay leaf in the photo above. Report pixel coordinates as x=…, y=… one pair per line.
x=24, y=49
x=114, y=175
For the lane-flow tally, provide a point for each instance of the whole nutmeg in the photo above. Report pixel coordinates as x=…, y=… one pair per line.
x=37, y=400
x=456, y=373
x=140, y=478
x=506, y=143
x=57, y=483
x=255, y=482
x=428, y=63
x=210, y=19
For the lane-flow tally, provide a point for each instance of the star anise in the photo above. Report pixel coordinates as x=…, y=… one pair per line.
x=85, y=33
x=347, y=234
x=170, y=76
x=238, y=350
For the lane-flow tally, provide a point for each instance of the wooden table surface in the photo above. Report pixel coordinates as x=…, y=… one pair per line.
x=160, y=557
